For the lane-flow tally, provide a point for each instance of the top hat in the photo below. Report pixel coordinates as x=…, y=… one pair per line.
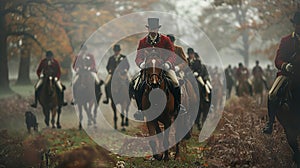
x=296, y=18
x=49, y=53
x=190, y=51
x=171, y=37
x=117, y=47
x=153, y=23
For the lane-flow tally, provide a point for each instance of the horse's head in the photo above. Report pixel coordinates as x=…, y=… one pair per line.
x=154, y=72
x=49, y=84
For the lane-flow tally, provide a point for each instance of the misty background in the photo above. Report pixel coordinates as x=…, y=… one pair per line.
x=222, y=31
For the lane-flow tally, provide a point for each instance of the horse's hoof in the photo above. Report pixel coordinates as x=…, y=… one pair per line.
x=53, y=127
x=158, y=157
x=123, y=129
x=58, y=126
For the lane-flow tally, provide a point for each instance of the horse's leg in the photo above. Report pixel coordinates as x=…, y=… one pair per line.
x=113, y=106
x=87, y=109
x=95, y=112
x=166, y=138
x=151, y=128
x=292, y=140
x=197, y=121
x=122, y=116
x=204, y=114
x=53, y=114
x=47, y=115
x=126, y=120
x=80, y=115
x=58, y=117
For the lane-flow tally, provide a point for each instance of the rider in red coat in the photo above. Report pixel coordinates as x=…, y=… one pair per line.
x=161, y=43
x=86, y=61
x=49, y=66
x=287, y=51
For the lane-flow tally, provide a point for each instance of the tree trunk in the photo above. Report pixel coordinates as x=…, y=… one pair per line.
x=4, y=80
x=24, y=67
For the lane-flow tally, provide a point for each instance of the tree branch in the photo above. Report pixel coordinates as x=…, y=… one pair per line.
x=27, y=35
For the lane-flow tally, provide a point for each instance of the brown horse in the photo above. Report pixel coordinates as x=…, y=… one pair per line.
x=156, y=81
x=119, y=89
x=288, y=114
x=48, y=99
x=85, y=96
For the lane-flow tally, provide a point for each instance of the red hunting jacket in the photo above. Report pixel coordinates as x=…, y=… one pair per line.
x=287, y=48
x=162, y=41
x=87, y=60
x=50, y=67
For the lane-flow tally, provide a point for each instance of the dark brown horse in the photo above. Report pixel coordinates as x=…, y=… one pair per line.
x=48, y=99
x=289, y=115
x=156, y=82
x=119, y=89
x=85, y=96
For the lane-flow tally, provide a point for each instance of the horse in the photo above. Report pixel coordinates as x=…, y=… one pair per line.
x=244, y=87
x=49, y=100
x=119, y=96
x=288, y=114
x=85, y=96
x=155, y=80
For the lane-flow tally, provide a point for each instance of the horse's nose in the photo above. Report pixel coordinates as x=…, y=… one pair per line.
x=155, y=85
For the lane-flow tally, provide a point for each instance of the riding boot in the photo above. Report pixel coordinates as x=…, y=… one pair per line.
x=271, y=113
x=106, y=101
x=34, y=105
x=61, y=96
x=177, y=96
x=98, y=91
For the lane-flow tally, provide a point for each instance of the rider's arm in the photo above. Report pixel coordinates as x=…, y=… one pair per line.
x=126, y=64
x=182, y=61
x=40, y=68
x=57, y=69
x=282, y=54
x=169, y=46
x=140, y=56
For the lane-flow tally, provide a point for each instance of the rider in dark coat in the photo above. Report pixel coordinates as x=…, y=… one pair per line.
x=49, y=64
x=286, y=53
x=200, y=72
x=229, y=75
x=112, y=64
